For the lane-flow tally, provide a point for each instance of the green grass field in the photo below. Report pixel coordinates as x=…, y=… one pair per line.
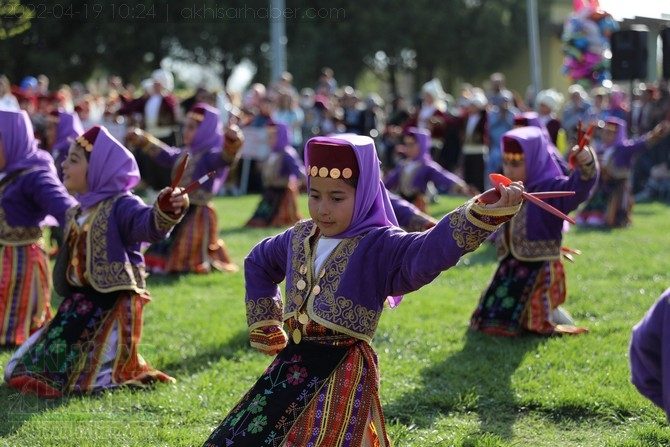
x=440, y=385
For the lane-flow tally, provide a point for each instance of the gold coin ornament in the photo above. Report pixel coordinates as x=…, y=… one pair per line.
x=303, y=319
x=298, y=300
x=301, y=284
x=316, y=290
x=303, y=269
x=297, y=336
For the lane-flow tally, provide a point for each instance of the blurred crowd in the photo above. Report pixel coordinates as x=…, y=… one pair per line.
x=472, y=119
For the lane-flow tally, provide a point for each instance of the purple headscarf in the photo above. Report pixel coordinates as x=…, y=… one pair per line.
x=422, y=137
x=282, y=136
x=620, y=139
x=19, y=144
x=540, y=166
x=533, y=119
x=68, y=128
x=210, y=130
x=372, y=208
x=112, y=170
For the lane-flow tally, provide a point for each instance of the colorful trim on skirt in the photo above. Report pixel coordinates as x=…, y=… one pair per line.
x=278, y=208
x=25, y=292
x=313, y=394
x=194, y=246
x=521, y=297
x=611, y=204
x=89, y=346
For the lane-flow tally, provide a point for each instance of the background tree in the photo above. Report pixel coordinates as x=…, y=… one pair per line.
x=454, y=39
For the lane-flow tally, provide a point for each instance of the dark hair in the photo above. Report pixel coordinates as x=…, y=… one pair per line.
x=352, y=181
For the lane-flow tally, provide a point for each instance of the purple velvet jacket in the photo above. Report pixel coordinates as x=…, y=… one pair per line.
x=649, y=354
x=535, y=234
x=348, y=295
x=114, y=260
x=25, y=202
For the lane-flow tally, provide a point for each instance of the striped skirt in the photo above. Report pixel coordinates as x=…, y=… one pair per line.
x=90, y=345
x=323, y=392
x=25, y=292
x=193, y=246
x=278, y=208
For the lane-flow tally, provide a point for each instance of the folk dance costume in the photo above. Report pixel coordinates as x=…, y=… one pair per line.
x=282, y=173
x=410, y=178
x=195, y=245
x=62, y=128
x=322, y=389
x=529, y=283
x=649, y=354
x=612, y=202
x=92, y=342
x=29, y=192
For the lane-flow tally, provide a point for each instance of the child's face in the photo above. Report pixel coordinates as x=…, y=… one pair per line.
x=515, y=170
x=331, y=204
x=608, y=134
x=188, y=132
x=75, y=170
x=409, y=147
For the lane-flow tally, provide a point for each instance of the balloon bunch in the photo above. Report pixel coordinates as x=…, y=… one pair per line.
x=586, y=45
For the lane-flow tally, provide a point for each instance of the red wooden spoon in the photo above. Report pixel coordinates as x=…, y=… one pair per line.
x=492, y=196
x=180, y=172
x=165, y=200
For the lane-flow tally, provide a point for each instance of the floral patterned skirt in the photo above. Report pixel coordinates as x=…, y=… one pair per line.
x=611, y=205
x=316, y=393
x=521, y=297
x=90, y=345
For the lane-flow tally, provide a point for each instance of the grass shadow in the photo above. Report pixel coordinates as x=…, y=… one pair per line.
x=475, y=380
x=210, y=355
x=19, y=408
